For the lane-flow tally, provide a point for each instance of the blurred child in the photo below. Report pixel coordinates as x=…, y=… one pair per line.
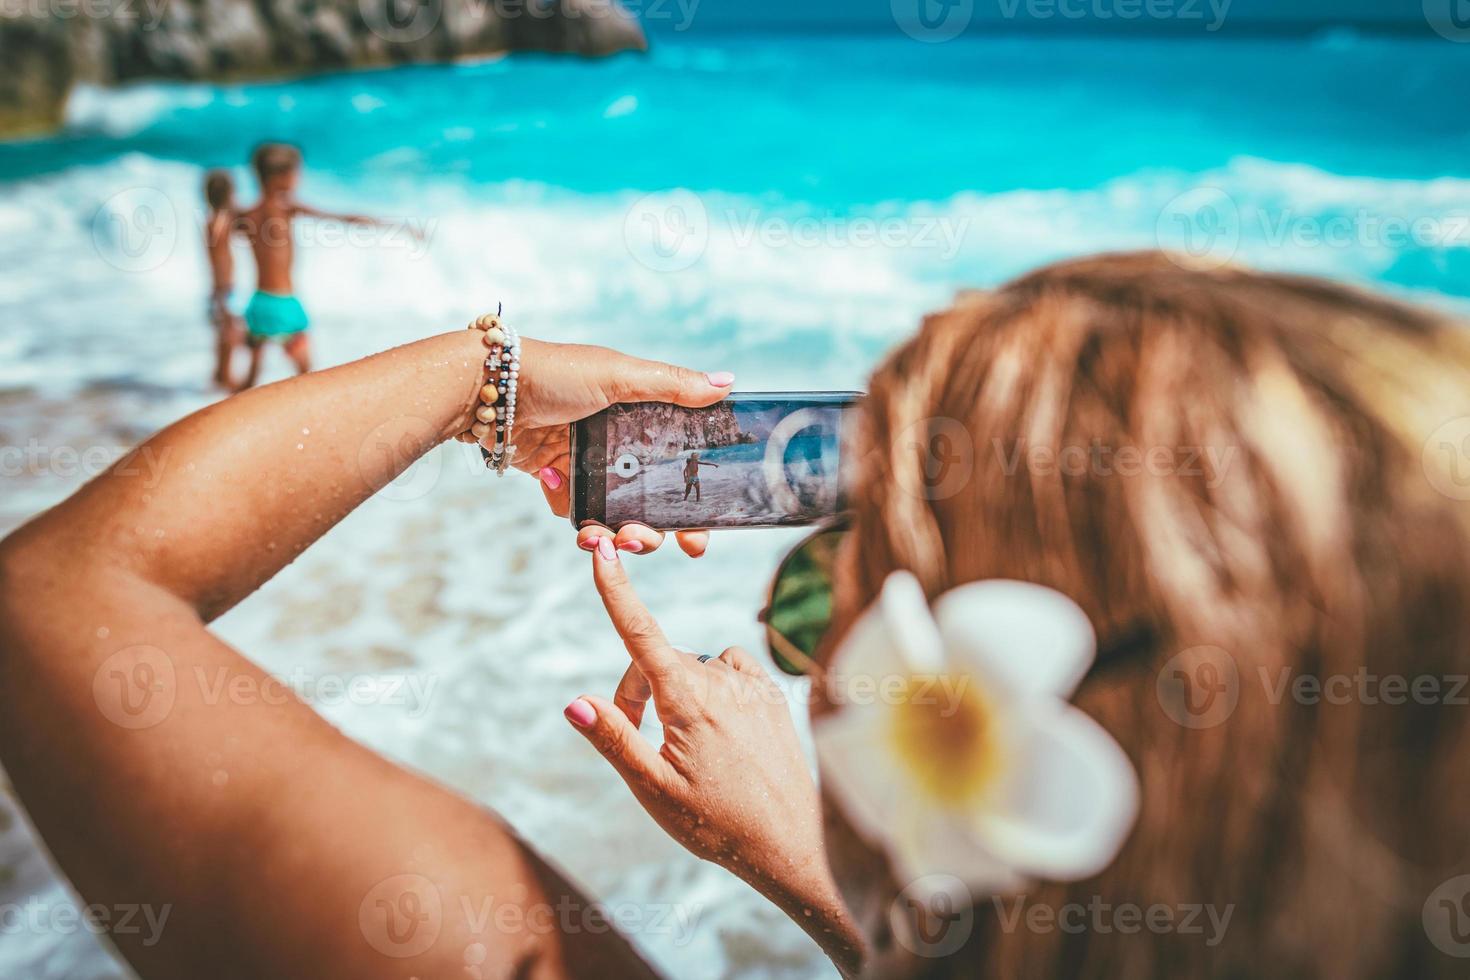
x=691, y=475
x=219, y=193
x=274, y=312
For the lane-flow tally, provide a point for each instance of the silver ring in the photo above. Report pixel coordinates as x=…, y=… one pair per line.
x=706, y=658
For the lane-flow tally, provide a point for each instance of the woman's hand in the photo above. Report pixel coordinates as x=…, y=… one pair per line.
x=562, y=383
x=730, y=782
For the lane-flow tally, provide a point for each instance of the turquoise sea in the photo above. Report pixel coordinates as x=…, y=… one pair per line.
x=782, y=206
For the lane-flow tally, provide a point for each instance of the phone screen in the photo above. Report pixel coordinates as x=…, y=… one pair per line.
x=753, y=460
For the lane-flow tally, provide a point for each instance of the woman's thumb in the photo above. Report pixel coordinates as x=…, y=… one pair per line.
x=652, y=381
x=612, y=734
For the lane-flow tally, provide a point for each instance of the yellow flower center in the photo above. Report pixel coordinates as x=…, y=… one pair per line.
x=944, y=731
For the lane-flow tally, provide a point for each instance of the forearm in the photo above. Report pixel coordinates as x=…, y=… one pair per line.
x=810, y=898
x=216, y=504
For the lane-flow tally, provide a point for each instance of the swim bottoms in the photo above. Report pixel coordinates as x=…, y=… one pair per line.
x=271, y=316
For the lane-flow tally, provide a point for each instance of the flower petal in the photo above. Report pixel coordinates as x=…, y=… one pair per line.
x=894, y=637
x=857, y=769
x=1068, y=801
x=934, y=842
x=1027, y=638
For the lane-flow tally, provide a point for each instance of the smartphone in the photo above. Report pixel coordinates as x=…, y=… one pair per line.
x=753, y=460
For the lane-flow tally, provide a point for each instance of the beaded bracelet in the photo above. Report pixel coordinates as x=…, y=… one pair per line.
x=497, y=412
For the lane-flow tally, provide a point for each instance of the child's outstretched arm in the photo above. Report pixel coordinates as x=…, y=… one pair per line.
x=273, y=845
x=307, y=211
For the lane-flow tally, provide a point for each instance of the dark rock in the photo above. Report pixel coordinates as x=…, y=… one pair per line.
x=43, y=56
x=656, y=432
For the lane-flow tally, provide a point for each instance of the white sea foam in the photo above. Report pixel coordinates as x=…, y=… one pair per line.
x=129, y=109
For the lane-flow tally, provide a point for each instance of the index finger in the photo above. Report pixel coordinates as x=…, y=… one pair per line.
x=635, y=624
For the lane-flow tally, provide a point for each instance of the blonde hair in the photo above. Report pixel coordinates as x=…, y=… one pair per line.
x=1283, y=513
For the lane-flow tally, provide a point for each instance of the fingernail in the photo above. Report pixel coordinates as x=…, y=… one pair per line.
x=589, y=545
x=721, y=379
x=606, y=550
x=581, y=713
x=632, y=547
x=550, y=477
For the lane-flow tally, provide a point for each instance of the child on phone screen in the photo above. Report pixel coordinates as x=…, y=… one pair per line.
x=274, y=312
x=691, y=475
x=219, y=194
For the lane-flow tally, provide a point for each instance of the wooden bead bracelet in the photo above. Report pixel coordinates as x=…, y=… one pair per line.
x=496, y=414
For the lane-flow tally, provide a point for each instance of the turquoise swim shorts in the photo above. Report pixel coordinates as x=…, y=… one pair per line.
x=271, y=316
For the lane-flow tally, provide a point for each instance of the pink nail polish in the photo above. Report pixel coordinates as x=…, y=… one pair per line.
x=606, y=550
x=589, y=545
x=632, y=547
x=581, y=713
x=721, y=379
x=550, y=477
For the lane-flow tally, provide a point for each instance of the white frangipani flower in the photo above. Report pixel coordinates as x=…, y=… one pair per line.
x=978, y=767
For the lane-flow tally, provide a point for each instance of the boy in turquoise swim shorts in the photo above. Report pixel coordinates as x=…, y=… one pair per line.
x=274, y=314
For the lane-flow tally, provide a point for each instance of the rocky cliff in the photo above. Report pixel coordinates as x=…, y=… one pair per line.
x=654, y=432
x=45, y=48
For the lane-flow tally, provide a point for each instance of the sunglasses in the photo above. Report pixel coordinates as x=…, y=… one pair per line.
x=798, y=612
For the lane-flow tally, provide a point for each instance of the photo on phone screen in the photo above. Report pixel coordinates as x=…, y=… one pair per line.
x=753, y=460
